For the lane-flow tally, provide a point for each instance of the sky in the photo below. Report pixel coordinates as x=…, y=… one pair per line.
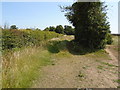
x=34, y=14
x=45, y=14
x=119, y=18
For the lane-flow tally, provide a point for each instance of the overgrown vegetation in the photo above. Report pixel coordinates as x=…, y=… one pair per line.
x=21, y=68
x=23, y=56
x=20, y=38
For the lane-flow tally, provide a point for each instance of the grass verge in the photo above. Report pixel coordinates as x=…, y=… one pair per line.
x=21, y=68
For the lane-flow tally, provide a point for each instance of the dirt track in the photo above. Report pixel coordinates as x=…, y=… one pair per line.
x=80, y=71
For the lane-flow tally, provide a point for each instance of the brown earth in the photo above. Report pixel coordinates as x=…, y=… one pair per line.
x=94, y=70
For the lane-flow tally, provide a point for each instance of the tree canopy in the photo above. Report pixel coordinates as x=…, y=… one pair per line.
x=13, y=27
x=59, y=29
x=51, y=28
x=90, y=22
x=68, y=30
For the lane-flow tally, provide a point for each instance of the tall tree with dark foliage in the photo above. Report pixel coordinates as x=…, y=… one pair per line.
x=90, y=21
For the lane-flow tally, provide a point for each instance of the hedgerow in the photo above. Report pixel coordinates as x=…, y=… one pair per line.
x=19, y=38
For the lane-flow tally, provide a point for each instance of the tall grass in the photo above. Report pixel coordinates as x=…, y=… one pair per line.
x=23, y=56
x=21, y=68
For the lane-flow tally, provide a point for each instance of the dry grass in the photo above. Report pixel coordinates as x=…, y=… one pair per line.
x=20, y=68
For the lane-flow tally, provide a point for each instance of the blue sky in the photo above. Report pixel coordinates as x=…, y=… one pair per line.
x=44, y=14
x=34, y=14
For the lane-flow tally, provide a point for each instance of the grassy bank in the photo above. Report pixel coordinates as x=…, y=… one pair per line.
x=20, y=68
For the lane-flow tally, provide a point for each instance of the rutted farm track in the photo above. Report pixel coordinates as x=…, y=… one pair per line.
x=93, y=70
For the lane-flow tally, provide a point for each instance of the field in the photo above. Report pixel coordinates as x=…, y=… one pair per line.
x=54, y=64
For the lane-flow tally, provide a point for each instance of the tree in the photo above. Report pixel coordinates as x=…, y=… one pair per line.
x=68, y=30
x=59, y=29
x=90, y=22
x=51, y=28
x=37, y=29
x=13, y=27
x=46, y=29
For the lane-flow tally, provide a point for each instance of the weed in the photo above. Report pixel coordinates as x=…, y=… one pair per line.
x=53, y=63
x=118, y=81
x=100, y=67
x=84, y=67
x=104, y=63
x=81, y=74
x=110, y=65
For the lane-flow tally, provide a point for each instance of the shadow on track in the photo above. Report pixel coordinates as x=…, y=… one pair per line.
x=71, y=46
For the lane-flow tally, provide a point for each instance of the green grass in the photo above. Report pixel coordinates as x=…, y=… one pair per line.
x=62, y=54
x=110, y=65
x=105, y=63
x=100, y=54
x=100, y=67
x=23, y=67
x=84, y=67
x=81, y=74
x=118, y=81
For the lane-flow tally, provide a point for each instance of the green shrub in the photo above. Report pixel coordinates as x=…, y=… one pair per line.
x=20, y=38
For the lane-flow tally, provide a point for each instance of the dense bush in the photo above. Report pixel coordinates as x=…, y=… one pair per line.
x=19, y=38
